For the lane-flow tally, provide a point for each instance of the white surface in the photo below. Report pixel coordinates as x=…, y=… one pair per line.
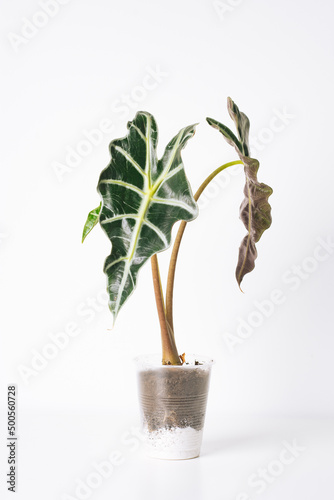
x=59, y=451
x=275, y=60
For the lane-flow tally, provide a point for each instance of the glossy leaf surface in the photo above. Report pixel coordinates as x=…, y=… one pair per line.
x=142, y=197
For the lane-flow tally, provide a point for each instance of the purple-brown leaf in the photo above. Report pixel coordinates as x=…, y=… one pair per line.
x=255, y=211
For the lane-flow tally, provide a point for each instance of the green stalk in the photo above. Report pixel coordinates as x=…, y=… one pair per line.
x=178, y=239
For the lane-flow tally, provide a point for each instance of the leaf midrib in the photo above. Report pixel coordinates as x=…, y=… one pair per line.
x=142, y=215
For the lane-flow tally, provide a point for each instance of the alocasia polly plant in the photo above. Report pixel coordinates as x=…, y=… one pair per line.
x=143, y=197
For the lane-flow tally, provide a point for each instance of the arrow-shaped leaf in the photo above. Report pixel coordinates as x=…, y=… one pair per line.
x=142, y=197
x=255, y=211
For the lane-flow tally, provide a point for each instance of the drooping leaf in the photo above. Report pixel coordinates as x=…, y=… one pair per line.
x=255, y=211
x=92, y=220
x=142, y=197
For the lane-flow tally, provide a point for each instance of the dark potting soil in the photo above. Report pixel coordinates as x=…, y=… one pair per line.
x=173, y=398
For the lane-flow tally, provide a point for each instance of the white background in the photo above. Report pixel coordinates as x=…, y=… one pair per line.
x=88, y=63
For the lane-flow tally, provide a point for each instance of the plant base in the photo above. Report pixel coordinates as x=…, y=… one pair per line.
x=173, y=405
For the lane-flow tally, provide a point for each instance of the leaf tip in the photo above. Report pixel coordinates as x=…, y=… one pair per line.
x=113, y=316
x=84, y=234
x=211, y=122
x=193, y=128
x=239, y=277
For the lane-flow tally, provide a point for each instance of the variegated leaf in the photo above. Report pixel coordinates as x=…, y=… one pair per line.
x=142, y=197
x=255, y=211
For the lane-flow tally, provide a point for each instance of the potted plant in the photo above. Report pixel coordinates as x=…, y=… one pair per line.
x=142, y=197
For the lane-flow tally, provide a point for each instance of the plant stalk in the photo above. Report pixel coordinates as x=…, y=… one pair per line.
x=178, y=239
x=169, y=352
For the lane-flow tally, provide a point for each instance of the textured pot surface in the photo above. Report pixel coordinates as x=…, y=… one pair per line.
x=173, y=404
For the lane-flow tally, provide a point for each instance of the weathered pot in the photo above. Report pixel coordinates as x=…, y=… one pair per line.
x=173, y=404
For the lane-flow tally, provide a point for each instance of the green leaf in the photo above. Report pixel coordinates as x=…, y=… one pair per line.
x=142, y=197
x=255, y=211
x=92, y=220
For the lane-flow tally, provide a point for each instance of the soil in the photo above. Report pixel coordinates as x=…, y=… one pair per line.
x=173, y=398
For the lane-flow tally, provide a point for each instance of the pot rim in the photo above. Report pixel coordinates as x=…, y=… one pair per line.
x=152, y=361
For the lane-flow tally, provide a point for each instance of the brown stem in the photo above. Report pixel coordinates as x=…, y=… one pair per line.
x=178, y=239
x=169, y=352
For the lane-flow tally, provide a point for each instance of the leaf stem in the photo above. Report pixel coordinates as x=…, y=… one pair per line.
x=169, y=352
x=178, y=239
